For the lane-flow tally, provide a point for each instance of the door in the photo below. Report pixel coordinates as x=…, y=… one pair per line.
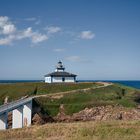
x=63, y=79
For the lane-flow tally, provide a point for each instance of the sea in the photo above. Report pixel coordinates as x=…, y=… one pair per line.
x=134, y=84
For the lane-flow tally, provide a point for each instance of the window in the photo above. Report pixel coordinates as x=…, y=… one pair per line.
x=63, y=79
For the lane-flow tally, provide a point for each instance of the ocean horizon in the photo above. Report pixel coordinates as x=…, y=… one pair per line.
x=131, y=83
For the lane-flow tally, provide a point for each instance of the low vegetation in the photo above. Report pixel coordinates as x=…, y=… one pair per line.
x=112, y=130
x=74, y=101
x=77, y=101
x=17, y=90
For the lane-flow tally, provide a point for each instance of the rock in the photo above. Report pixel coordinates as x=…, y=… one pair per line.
x=37, y=119
x=62, y=109
x=138, y=107
x=119, y=116
x=9, y=120
x=6, y=100
x=101, y=113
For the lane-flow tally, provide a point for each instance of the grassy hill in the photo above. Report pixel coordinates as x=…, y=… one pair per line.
x=74, y=98
x=73, y=101
x=77, y=101
x=17, y=90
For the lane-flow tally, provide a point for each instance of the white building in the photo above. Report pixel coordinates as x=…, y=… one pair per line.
x=60, y=75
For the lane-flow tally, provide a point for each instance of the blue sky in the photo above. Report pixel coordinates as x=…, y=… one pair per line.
x=95, y=39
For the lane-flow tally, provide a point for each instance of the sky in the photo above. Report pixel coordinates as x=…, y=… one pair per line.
x=95, y=39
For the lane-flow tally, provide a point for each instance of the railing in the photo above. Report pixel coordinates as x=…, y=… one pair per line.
x=14, y=104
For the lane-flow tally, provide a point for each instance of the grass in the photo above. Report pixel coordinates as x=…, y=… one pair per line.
x=77, y=101
x=17, y=90
x=111, y=130
x=74, y=102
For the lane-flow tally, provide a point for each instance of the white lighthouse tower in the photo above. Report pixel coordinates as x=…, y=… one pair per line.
x=59, y=67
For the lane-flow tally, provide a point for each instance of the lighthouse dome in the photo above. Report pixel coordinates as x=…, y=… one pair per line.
x=59, y=66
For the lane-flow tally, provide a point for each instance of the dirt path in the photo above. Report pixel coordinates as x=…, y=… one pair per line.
x=59, y=95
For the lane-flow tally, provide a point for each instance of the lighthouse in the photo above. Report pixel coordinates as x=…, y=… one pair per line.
x=60, y=75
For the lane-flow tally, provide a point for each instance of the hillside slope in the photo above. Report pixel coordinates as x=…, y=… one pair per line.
x=78, y=100
x=84, y=101
x=17, y=90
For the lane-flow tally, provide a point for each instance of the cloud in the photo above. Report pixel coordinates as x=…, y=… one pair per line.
x=73, y=58
x=3, y=20
x=6, y=27
x=76, y=58
x=9, y=29
x=27, y=33
x=87, y=35
x=53, y=29
x=9, y=33
x=37, y=37
x=58, y=50
x=7, y=40
x=38, y=22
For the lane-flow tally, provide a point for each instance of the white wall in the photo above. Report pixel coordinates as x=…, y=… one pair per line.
x=17, y=119
x=58, y=70
x=22, y=116
x=69, y=79
x=48, y=79
x=57, y=79
x=27, y=114
x=3, y=121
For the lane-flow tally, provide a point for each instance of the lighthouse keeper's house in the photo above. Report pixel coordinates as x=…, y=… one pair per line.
x=60, y=75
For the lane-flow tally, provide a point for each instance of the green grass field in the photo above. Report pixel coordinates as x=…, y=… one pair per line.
x=77, y=101
x=17, y=90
